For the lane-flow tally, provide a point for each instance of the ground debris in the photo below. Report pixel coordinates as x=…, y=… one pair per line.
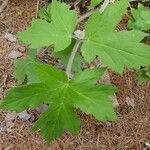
x=10, y=37
x=130, y=102
x=14, y=54
x=7, y=124
x=3, y=5
x=21, y=49
x=24, y=116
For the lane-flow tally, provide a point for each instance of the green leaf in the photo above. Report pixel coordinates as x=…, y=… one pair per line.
x=65, y=54
x=143, y=75
x=20, y=66
x=140, y=19
x=63, y=96
x=57, y=33
x=95, y=2
x=116, y=49
x=45, y=13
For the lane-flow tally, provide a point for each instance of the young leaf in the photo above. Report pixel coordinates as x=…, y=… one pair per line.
x=45, y=13
x=115, y=49
x=63, y=97
x=57, y=33
x=140, y=19
x=143, y=75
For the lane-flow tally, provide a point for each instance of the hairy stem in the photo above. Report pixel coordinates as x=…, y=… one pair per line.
x=88, y=14
x=71, y=58
x=78, y=42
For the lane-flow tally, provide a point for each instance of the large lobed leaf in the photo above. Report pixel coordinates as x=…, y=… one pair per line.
x=57, y=33
x=51, y=86
x=116, y=49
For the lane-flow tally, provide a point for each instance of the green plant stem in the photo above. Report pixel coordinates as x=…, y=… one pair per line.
x=71, y=58
x=78, y=42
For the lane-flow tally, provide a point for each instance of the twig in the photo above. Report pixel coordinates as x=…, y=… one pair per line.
x=88, y=14
x=71, y=58
x=37, y=8
x=104, y=5
x=101, y=9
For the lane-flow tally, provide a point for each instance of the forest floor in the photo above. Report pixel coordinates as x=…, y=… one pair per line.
x=130, y=132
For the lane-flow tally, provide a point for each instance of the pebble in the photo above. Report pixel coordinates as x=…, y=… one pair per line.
x=21, y=49
x=10, y=37
x=130, y=102
x=14, y=54
x=42, y=108
x=24, y=116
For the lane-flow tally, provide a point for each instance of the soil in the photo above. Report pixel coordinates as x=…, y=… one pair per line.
x=130, y=132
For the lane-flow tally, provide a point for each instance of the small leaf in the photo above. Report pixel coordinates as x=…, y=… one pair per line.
x=143, y=75
x=45, y=13
x=140, y=19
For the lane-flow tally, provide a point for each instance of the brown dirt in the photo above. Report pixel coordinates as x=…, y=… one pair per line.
x=130, y=132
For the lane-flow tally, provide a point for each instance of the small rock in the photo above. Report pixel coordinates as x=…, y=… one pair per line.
x=10, y=37
x=14, y=54
x=147, y=144
x=130, y=102
x=42, y=108
x=106, y=79
x=24, y=116
x=21, y=49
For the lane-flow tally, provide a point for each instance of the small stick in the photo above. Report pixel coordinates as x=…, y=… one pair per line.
x=37, y=8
